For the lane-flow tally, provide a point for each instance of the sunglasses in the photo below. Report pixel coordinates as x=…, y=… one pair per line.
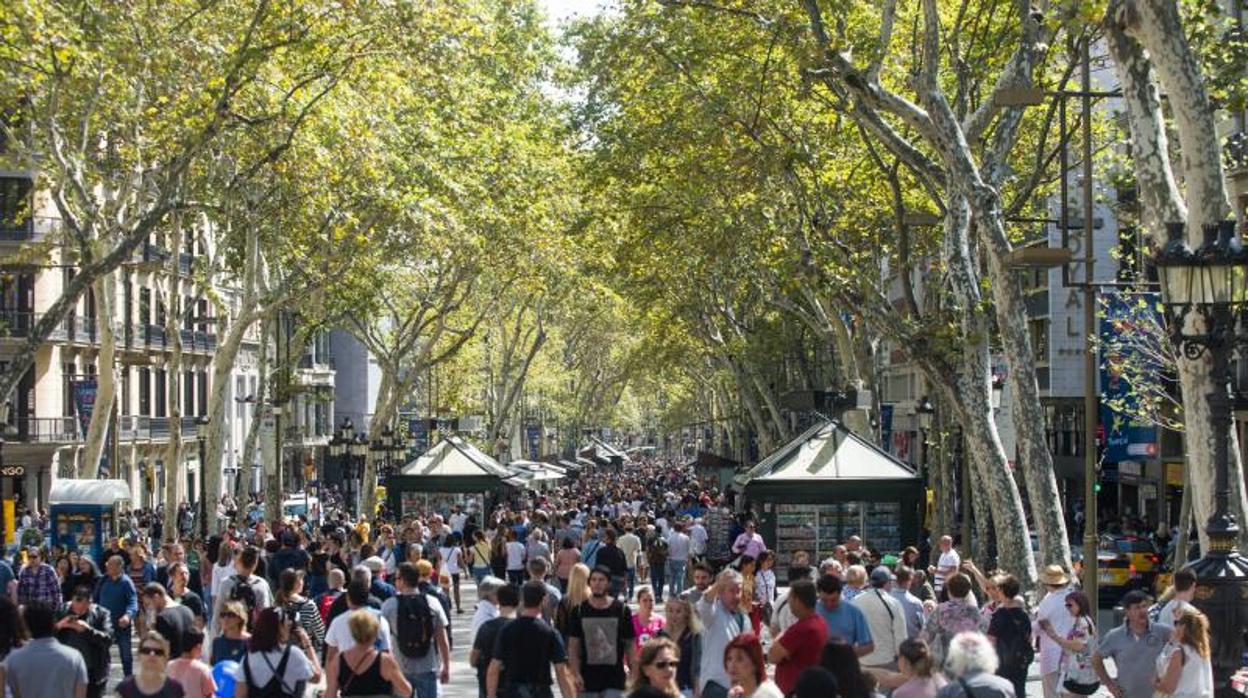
x=664, y=666
x=152, y=651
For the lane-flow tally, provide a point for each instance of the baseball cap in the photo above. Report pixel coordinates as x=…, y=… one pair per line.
x=881, y=575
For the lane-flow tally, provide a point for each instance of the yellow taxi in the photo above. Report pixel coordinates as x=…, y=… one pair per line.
x=1116, y=575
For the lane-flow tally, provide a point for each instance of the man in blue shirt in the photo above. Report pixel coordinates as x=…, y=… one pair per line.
x=116, y=593
x=844, y=620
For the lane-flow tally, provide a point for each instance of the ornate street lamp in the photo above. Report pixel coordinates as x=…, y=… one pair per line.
x=201, y=432
x=1207, y=310
x=925, y=411
x=359, y=451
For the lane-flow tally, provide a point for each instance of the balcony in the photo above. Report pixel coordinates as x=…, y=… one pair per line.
x=196, y=341
x=45, y=430
x=29, y=230
x=314, y=372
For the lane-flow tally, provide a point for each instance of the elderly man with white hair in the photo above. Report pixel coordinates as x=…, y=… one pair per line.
x=971, y=663
x=487, y=603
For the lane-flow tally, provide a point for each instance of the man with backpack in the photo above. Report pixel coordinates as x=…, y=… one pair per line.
x=418, y=626
x=244, y=586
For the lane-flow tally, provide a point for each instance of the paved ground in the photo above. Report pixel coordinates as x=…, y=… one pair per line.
x=463, y=678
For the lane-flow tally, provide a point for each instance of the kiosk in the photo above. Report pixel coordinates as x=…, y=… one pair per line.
x=86, y=513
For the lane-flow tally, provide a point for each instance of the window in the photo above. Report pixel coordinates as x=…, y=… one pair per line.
x=188, y=393
x=1039, y=331
x=15, y=202
x=125, y=391
x=145, y=391
x=69, y=371
x=201, y=379
x=162, y=405
x=145, y=306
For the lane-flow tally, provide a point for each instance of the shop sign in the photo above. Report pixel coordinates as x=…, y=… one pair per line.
x=12, y=470
x=1129, y=468
x=1174, y=474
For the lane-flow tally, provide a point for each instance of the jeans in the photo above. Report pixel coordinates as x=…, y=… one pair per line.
x=632, y=581
x=618, y=586
x=122, y=637
x=676, y=575
x=423, y=685
x=480, y=573
x=658, y=575
x=515, y=577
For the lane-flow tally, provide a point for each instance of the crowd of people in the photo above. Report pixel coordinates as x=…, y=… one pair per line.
x=635, y=582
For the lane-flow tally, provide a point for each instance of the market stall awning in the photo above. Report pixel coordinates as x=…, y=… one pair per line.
x=533, y=471
x=605, y=453
x=104, y=492
x=570, y=465
x=454, y=457
x=828, y=452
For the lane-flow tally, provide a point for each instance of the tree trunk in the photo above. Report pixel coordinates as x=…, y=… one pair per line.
x=974, y=400
x=1157, y=26
x=174, y=465
x=105, y=397
x=388, y=395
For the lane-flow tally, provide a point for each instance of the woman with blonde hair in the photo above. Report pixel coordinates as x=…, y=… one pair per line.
x=685, y=629
x=361, y=670
x=657, y=665
x=1184, y=669
x=577, y=594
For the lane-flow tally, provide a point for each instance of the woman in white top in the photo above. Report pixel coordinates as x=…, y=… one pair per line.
x=1183, y=668
x=451, y=551
x=270, y=645
x=516, y=555
x=224, y=567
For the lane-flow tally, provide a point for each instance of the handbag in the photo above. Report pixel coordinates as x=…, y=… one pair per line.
x=1078, y=675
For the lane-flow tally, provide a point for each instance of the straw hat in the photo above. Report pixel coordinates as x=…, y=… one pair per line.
x=1054, y=575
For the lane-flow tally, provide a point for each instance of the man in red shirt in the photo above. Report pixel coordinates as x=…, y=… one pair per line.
x=799, y=647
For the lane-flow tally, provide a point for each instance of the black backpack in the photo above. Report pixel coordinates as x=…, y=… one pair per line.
x=275, y=688
x=416, y=626
x=244, y=593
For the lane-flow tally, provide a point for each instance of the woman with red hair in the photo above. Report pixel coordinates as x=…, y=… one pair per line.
x=743, y=660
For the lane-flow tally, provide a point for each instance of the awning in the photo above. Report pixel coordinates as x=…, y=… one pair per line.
x=533, y=471
x=826, y=453
x=454, y=457
x=103, y=492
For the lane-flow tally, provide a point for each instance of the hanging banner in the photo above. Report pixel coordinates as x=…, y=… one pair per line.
x=1126, y=437
x=84, y=390
x=419, y=429
x=533, y=439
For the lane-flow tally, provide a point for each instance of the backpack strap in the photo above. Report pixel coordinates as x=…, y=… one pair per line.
x=966, y=689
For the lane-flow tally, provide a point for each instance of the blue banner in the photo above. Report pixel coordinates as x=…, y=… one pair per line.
x=419, y=428
x=533, y=438
x=1126, y=438
x=84, y=390
x=886, y=427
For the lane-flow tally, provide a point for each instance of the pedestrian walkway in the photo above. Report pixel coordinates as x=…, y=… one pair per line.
x=464, y=678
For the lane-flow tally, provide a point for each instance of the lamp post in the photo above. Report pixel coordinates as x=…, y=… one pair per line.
x=201, y=433
x=359, y=451
x=926, y=412
x=1207, y=310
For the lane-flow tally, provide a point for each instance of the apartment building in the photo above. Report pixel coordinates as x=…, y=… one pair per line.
x=44, y=436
